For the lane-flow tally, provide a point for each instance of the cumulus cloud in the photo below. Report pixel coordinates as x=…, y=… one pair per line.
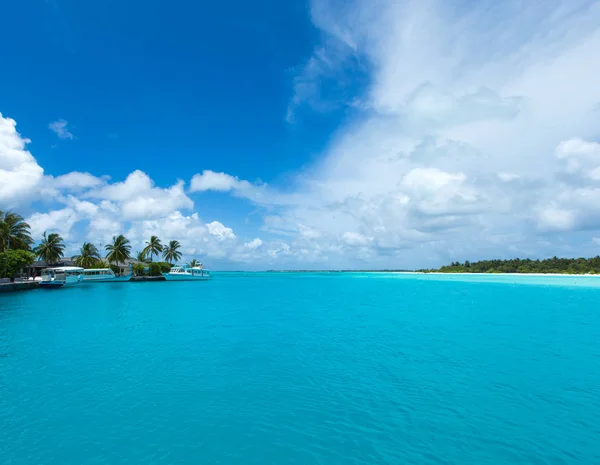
x=457, y=152
x=212, y=181
x=222, y=182
x=60, y=128
x=75, y=181
x=20, y=173
x=198, y=239
x=220, y=231
x=581, y=157
x=253, y=244
x=355, y=239
x=138, y=197
x=60, y=221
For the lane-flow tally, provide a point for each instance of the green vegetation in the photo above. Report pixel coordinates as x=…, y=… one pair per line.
x=100, y=263
x=141, y=257
x=549, y=266
x=119, y=251
x=116, y=269
x=194, y=263
x=14, y=232
x=153, y=247
x=171, y=252
x=156, y=268
x=139, y=269
x=51, y=249
x=88, y=256
x=13, y=261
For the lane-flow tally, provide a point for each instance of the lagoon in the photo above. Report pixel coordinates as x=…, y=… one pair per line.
x=297, y=368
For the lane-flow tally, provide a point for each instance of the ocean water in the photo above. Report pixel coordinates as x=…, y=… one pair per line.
x=315, y=368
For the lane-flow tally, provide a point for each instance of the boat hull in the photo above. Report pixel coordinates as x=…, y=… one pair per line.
x=186, y=277
x=51, y=285
x=117, y=279
x=56, y=284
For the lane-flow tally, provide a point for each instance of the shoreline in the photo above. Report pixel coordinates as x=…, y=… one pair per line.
x=425, y=273
x=561, y=275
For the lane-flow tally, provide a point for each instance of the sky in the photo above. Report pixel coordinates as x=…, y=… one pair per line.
x=323, y=134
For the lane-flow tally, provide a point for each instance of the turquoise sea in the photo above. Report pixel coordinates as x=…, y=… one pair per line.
x=303, y=368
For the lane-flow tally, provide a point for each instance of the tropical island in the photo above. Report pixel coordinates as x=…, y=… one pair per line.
x=17, y=256
x=552, y=265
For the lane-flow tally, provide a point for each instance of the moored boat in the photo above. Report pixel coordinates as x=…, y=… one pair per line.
x=184, y=273
x=64, y=276
x=104, y=275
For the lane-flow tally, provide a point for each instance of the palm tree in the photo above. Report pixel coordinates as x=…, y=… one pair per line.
x=51, y=249
x=119, y=250
x=14, y=232
x=88, y=256
x=101, y=263
x=153, y=247
x=141, y=257
x=194, y=263
x=171, y=252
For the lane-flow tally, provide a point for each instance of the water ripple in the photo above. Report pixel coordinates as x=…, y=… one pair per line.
x=296, y=369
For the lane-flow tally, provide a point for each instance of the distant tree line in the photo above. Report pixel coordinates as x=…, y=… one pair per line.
x=549, y=266
x=16, y=252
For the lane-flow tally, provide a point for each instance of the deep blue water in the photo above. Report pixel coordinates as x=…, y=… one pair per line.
x=285, y=369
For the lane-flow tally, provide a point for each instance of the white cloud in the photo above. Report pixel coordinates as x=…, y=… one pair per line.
x=76, y=181
x=356, y=239
x=556, y=218
x=139, y=198
x=253, y=244
x=581, y=157
x=220, y=231
x=59, y=221
x=453, y=152
x=19, y=172
x=212, y=181
x=198, y=239
x=508, y=177
x=60, y=128
x=430, y=179
x=279, y=249
x=574, y=147
x=223, y=182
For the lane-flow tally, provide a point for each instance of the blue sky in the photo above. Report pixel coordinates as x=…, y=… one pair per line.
x=318, y=134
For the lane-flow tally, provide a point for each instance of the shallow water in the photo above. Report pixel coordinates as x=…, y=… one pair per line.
x=302, y=368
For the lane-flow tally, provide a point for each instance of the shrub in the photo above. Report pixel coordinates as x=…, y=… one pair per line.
x=154, y=269
x=164, y=267
x=99, y=264
x=12, y=261
x=139, y=269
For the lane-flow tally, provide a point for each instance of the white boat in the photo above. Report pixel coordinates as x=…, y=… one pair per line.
x=183, y=273
x=61, y=277
x=104, y=275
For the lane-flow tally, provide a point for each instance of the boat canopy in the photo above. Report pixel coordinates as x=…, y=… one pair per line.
x=64, y=269
x=96, y=271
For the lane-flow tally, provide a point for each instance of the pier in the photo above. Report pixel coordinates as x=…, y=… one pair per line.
x=7, y=286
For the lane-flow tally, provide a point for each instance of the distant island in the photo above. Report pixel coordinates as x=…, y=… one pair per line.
x=553, y=265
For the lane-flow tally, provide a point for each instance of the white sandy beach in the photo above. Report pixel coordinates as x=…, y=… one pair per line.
x=545, y=275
